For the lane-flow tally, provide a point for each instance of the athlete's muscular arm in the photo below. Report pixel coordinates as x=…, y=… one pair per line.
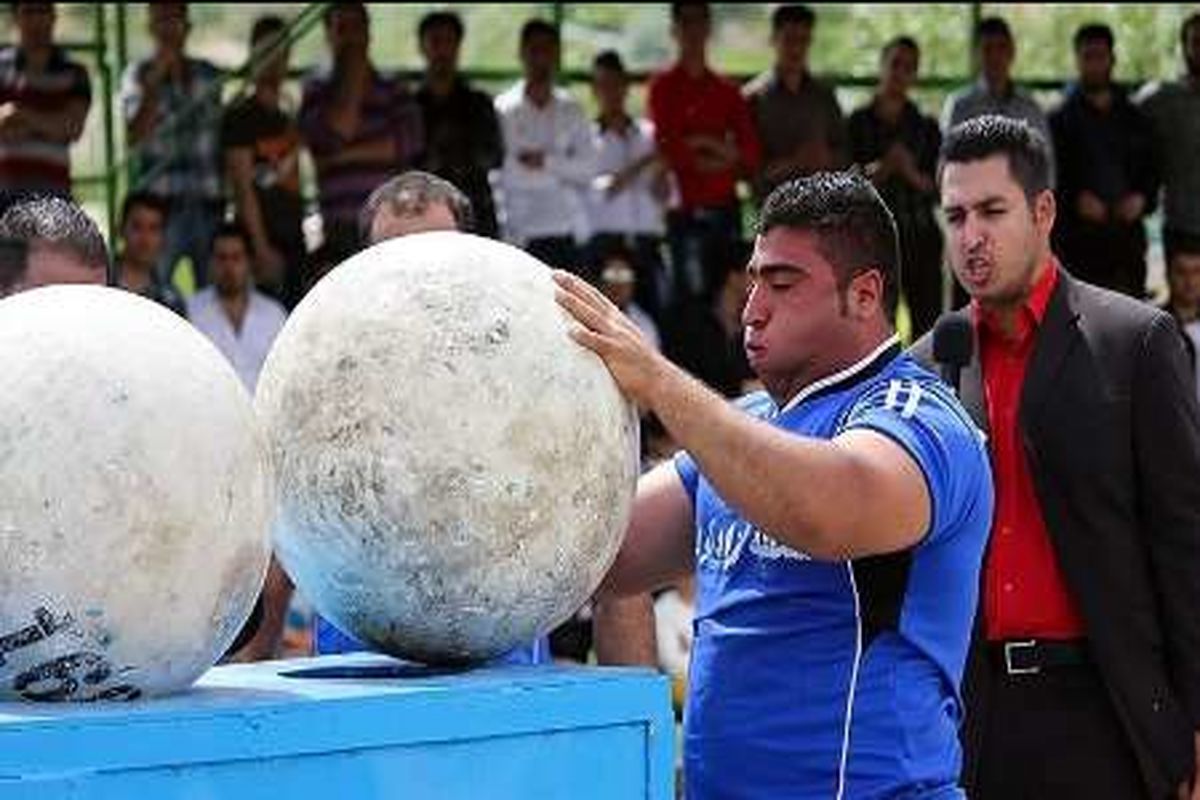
x=858, y=494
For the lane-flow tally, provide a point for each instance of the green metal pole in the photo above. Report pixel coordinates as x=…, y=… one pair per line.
x=110, y=147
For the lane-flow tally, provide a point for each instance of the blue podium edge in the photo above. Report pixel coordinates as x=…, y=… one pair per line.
x=253, y=712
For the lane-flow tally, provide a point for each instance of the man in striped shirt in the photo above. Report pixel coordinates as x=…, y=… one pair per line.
x=360, y=125
x=44, y=100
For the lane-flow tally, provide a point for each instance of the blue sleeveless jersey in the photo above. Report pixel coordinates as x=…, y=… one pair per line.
x=818, y=679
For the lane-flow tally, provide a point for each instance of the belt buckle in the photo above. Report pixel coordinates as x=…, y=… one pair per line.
x=1014, y=647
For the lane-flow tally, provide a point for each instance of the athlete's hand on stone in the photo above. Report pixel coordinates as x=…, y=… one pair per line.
x=602, y=328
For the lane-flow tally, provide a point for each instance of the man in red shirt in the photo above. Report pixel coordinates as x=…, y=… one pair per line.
x=706, y=136
x=1085, y=676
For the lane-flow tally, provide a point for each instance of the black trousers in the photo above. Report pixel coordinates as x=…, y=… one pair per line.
x=1055, y=735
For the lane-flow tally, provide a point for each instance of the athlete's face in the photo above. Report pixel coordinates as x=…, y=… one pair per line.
x=997, y=241
x=799, y=325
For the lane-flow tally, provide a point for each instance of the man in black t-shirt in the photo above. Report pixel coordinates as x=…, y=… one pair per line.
x=260, y=145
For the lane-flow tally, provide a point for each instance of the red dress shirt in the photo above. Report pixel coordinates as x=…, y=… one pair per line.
x=682, y=106
x=1024, y=594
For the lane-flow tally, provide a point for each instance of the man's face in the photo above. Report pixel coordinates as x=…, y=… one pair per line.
x=348, y=31
x=230, y=266
x=35, y=25
x=1183, y=278
x=539, y=57
x=794, y=320
x=996, y=54
x=390, y=223
x=169, y=25
x=617, y=282
x=1094, y=61
x=143, y=236
x=50, y=264
x=899, y=69
x=275, y=70
x=995, y=239
x=440, y=46
x=791, y=44
x=692, y=29
x=611, y=88
x=1191, y=49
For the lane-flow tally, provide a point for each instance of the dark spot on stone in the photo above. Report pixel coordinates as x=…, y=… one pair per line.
x=498, y=333
x=346, y=363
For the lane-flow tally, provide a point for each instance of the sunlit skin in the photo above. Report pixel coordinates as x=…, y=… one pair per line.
x=799, y=326
x=142, y=236
x=230, y=267
x=998, y=243
x=1183, y=278
x=49, y=264
x=391, y=224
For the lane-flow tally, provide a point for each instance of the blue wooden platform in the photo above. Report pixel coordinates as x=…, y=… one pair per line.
x=358, y=726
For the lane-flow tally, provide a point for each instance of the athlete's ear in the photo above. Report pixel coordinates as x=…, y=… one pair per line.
x=864, y=294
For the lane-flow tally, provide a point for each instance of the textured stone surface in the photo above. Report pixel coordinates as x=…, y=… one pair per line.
x=135, y=497
x=455, y=473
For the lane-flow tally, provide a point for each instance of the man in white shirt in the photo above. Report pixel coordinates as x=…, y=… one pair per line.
x=626, y=201
x=239, y=320
x=549, y=159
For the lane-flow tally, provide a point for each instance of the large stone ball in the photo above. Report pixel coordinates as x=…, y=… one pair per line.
x=455, y=472
x=135, y=498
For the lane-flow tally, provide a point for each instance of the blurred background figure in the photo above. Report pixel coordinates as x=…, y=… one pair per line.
x=360, y=125
x=706, y=137
x=1107, y=176
x=172, y=108
x=260, y=143
x=898, y=146
x=143, y=227
x=549, y=159
x=618, y=279
x=44, y=101
x=797, y=116
x=462, y=134
x=240, y=320
x=626, y=201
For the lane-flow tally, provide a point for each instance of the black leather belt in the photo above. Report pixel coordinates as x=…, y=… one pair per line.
x=1031, y=656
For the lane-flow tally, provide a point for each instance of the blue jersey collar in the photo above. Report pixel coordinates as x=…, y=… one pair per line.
x=859, y=371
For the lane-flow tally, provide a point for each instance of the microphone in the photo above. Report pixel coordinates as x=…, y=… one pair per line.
x=953, y=346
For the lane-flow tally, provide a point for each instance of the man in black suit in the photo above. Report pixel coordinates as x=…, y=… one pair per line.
x=1084, y=679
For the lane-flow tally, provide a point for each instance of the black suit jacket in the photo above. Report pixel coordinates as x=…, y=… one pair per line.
x=1111, y=429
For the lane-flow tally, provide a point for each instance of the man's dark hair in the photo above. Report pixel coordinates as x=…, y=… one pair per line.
x=1094, y=32
x=992, y=26
x=334, y=8
x=140, y=198
x=983, y=137
x=677, y=10
x=411, y=193
x=854, y=229
x=269, y=25
x=54, y=221
x=1187, y=26
x=537, y=27
x=792, y=14
x=234, y=230
x=897, y=42
x=441, y=19
x=1179, y=243
x=609, y=60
